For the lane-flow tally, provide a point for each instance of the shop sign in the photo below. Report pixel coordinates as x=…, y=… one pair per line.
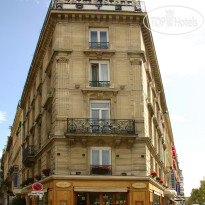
x=139, y=185
x=36, y=193
x=63, y=184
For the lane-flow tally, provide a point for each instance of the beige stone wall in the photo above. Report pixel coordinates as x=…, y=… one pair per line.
x=58, y=90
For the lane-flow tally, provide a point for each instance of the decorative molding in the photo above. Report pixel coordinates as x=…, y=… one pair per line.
x=137, y=53
x=63, y=184
x=99, y=53
x=136, y=61
x=98, y=93
x=62, y=59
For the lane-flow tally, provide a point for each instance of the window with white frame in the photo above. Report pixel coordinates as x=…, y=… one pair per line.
x=101, y=156
x=99, y=74
x=98, y=38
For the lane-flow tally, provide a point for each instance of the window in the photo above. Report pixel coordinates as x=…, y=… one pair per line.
x=15, y=180
x=100, y=115
x=99, y=39
x=101, y=160
x=99, y=74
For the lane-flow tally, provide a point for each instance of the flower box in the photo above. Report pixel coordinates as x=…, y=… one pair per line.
x=154, y=174
x=100, y=170
x=161, y=181
x=158, y=179
x=30, y=180
x=38, y=177
x=46, y=172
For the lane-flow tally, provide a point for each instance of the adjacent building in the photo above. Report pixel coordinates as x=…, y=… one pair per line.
x=92, y=126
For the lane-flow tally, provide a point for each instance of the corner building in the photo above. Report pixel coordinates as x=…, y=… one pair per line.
x=94, y=109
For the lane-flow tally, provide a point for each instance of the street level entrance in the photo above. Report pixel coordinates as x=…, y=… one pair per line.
x=84, y=198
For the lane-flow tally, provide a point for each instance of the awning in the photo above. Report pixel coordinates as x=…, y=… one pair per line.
x=101, y=189
x=170, y=193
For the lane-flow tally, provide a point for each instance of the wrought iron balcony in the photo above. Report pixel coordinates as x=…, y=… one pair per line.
x=102, y=126
x=99, y=83
x=28, y=155
x=13, y=169
x=99, y=45
x=101, y=169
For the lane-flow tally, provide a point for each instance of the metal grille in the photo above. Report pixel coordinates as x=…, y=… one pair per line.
x=102, y=126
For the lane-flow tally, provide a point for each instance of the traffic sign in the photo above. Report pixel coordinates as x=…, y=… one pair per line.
x=37, y=187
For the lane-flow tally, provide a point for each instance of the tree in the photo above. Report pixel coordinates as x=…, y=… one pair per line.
x=198, y=195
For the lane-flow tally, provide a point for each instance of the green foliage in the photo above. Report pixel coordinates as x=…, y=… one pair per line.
x=197, y=195
x=18, y=201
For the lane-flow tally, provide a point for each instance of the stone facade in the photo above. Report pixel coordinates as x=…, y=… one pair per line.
x=83, y=97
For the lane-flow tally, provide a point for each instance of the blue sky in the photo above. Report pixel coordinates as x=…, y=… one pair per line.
x=181, y=60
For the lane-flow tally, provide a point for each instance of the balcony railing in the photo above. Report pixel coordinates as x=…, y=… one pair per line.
x=28, y=155
x=102, y=126
x=101, y=169
x=99, y=45
x=13, y=169
x=99, y=83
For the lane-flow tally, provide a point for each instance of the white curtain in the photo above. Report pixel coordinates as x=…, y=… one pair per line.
x=104, y=72
x=95, y=157
x=105, y=157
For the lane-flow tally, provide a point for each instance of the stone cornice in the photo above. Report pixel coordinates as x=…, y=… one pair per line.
x=39, y=55
x=151, y=54
x=99, y=16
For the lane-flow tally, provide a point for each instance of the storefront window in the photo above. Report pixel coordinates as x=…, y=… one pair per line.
x=107, y=199
x=156, y=200
x=81, y=199
x=94, y=199
x=120, y=199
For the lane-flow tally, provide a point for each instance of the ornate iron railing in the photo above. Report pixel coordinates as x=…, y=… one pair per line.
x=99, y=45
x=99, y=83
x=101, y=169
x=102, y=126
x=28, y=152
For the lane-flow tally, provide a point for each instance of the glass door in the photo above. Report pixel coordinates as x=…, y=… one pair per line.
x=81, y=199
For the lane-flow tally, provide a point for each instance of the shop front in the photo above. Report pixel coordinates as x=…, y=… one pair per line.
x=84, y=191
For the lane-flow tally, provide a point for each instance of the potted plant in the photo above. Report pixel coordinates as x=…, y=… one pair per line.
x=46, y=171
x=38, y=177
x=100, y=169
x=154, y=174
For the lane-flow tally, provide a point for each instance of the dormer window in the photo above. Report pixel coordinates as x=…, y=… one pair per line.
x=98, y=39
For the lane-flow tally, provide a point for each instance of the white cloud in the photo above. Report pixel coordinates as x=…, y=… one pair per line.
x=192, y=168
x=2, y=116
x=178, y=118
